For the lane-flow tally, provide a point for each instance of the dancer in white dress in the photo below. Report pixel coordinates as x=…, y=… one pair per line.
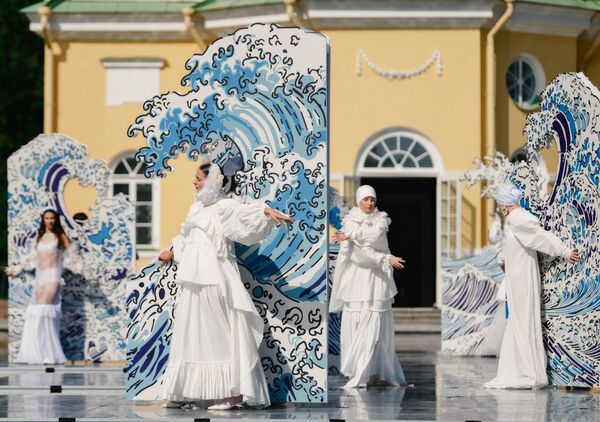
x=522, y=362
x=217, y=330
x=364, y=290
x=40, y=341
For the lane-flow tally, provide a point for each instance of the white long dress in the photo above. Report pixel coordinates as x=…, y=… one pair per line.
x=364, y=290
x=40, y=341
x=217, y=330
x=522, y=362
x=492, y=342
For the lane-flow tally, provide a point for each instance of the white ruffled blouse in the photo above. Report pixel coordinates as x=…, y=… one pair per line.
x=204, y=250
x=363, y=272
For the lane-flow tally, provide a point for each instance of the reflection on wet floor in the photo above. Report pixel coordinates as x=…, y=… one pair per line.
x=441, y=387
x=41, y=379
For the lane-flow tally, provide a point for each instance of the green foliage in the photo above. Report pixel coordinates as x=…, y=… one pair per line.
x=21, y=98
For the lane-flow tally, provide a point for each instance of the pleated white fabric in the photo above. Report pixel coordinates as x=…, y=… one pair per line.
x=364, y=289
x=522, y=362
x=200, y=359
x=217, y=330
x=368, y=349
x=40, y=341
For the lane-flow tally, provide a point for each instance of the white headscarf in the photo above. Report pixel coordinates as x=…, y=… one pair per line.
x=363, y=192
x=212, y=191
x=508, y=195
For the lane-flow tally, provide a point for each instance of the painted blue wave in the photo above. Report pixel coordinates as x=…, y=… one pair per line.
x=273, y=108
x=257, y=99
x=469, y=290
x=569, y=116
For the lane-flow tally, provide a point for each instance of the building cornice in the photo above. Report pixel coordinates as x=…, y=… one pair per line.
x=326, y=15
x=549, y=20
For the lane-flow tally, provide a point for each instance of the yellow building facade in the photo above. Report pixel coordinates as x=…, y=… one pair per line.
x=407, y=99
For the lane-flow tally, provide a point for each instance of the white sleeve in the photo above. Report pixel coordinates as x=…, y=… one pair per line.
x=362, y=255
x=367, y=234
x=244, y=223
x=28, y=263
x=178, y=242
x=530, y=233
x=365, y=256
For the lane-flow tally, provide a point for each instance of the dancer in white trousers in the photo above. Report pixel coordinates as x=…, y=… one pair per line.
x=40, y=341
x=217, y=330
x=364, y=290
x=522, y=362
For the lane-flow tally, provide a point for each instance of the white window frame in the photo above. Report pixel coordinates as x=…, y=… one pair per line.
x=132, y=80
x=144, y=251
x=399, y=170
x=446, y=179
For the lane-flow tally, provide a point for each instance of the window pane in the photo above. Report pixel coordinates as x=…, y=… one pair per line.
x=418, y=150
x=405, y=143
x=521, y=81
x=528, y=87
x=132, y=163
x=121, y=188
x=391, y=143
x=444, y=204
x=409, y=162
x=426, y=162
x=398, y=157
x=143, y=213
x=378, y=150
x=452, y=186
x=453, y=206
x=371, y=162
x=144, y=192
x=388, y=163
x=143, y=235
x=121, y=169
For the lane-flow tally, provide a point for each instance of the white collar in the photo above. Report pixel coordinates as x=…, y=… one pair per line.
x=359, y=216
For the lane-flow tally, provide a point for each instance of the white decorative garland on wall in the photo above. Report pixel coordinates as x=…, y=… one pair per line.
x=398, y=74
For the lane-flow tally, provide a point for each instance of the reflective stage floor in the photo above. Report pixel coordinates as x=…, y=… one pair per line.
x=440, y=388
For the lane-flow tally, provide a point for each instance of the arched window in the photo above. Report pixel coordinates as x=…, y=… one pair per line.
x=128, y=179
x=399, y=151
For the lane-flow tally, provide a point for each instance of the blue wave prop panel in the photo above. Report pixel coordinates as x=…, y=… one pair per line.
x=258, y=99
x=335, y=321
x=569, y=117
x=93, y=314
x=337, y=211
x=469, y=305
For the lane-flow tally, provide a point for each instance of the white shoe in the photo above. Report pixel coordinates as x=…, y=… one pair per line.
x=225, y=406
x=172, y=404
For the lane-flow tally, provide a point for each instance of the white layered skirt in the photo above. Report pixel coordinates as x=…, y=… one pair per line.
x=40, y=342
x=368, y=352
x=204, y=361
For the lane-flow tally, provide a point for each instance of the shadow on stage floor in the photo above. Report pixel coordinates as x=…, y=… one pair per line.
x=441, y=388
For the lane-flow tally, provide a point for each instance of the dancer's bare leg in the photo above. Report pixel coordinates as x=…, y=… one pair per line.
x=46, y=294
